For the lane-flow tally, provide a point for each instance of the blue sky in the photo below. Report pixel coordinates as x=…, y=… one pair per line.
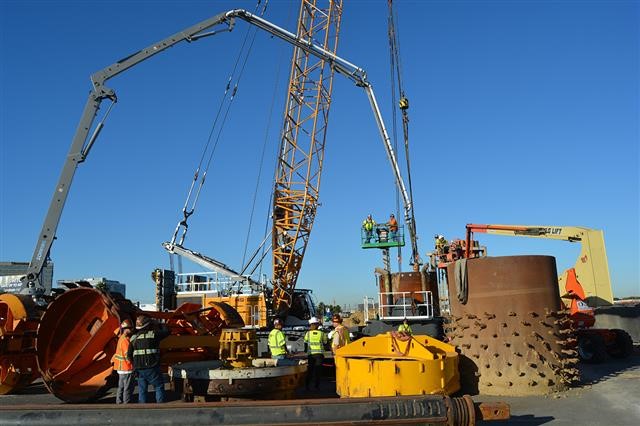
x=521, y=113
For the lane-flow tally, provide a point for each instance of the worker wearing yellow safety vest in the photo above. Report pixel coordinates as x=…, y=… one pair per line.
x=441, y=243
x=405, y=327
x=340, y=334
x=368, y=224
x=145, y=352
x=277, y=341
x=122, y=364
x=314, y=340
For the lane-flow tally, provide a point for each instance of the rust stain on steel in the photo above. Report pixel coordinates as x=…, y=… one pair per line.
x=493, y=411
x=513, y=335
x=18, y=323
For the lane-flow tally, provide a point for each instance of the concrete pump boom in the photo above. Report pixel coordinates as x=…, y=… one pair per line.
x=80, y=147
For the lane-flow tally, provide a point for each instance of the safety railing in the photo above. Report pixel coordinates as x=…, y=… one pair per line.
x=381, y=236
x=204, y=282
x=369, y=305
x=397, y=305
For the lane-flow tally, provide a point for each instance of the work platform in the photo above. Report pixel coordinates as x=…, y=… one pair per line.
x=381, y=237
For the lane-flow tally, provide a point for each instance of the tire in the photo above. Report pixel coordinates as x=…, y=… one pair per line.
x=623, y=346
x=591, y=348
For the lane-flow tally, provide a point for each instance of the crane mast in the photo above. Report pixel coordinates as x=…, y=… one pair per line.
x=301, y=152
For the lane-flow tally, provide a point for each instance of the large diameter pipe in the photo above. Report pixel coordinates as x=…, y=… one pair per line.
x=77, y=335
x=79, y=330
x=18, y=323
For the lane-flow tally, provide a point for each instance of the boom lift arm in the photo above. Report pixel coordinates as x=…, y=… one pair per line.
x=591, y=268
x=80, y=147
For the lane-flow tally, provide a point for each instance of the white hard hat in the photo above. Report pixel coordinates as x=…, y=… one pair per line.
x=440, y=236
x=314, y=320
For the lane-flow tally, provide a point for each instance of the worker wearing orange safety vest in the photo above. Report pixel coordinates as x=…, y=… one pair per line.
x=122, y=364
x=393, y=227
x=340, y=334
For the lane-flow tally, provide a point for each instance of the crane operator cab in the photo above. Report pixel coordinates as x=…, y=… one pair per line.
x=381, y=235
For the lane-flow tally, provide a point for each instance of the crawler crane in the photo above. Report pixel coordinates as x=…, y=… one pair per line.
x=24, y=315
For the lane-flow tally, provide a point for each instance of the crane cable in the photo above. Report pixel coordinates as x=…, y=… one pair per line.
x=403, y=103
x=276, y=89
x=191, y=198
x=394, y=120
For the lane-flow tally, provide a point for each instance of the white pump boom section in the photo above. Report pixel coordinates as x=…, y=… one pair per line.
x=80, y=146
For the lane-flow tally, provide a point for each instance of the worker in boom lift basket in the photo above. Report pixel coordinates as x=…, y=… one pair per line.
x=368, y=224
x=314, y=340
x=393, y=227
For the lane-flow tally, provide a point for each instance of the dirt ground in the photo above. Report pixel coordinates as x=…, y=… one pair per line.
x=609, y=394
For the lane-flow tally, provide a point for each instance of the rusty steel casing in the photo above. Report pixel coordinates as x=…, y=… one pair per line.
x=78, y=334
x=76, y=338
x=19, y=316
x=513, y=336
x=411, y=284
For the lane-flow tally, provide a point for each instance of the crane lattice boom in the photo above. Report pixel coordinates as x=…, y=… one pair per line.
x=301, y=153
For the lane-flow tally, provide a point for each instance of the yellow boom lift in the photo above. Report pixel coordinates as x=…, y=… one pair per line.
x=583, y=287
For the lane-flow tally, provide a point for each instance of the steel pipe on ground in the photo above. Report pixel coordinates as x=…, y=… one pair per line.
x=431, y=409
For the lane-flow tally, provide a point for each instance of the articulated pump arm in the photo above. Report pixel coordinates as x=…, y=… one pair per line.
x=591, y=268
x=80, y=147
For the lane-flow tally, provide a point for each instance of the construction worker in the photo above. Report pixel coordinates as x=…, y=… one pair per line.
x=405, y=327
x=368, y=224
x=393, y=227
x=440, y=243
x=144, y=350
x=122, y=364
x=314, y=340
x=340, y=335
x=277, y=341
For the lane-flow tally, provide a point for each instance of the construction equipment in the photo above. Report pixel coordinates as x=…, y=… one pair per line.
x=583, y=287
x=299, y=169
x=82, y=144
x=78, y=333
x=301, y=153
x=18, y=366
x=396, y=364
x=423, y=409
x=509, y=327
x=401, y=295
